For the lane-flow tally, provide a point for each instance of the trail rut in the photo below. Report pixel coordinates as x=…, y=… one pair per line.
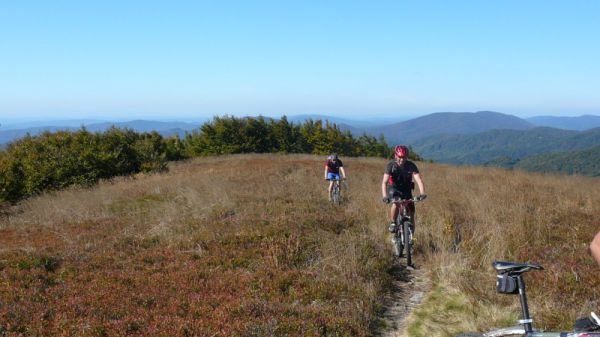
x=408, y=290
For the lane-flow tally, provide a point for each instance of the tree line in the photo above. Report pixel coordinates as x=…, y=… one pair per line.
x=55, y=160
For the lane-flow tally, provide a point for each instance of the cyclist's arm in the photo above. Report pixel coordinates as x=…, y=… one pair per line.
x=325, y=171
x=343, y=172
x=595, y=248
x=384, y=181
x=419, y=181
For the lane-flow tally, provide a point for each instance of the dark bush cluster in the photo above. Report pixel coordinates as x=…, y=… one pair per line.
x=228, y=135
x=52, y=161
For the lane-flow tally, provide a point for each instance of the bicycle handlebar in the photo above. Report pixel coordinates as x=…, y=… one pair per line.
x=419, y=198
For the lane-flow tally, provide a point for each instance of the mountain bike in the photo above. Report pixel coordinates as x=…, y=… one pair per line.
x=403, y=234
x=336, y=193
x=510, y=281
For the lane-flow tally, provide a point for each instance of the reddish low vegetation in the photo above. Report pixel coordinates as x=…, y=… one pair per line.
x=248, y=245
x=233, y=246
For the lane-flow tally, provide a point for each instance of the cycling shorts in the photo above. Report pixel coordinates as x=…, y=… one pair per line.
x=333, y=176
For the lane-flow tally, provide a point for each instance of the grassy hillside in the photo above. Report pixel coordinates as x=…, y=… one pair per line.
x=246, y=245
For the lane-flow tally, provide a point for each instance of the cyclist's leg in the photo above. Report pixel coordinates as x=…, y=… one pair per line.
x=595, y=248
x=393, y=193
x=392, y=216
x=394, y=212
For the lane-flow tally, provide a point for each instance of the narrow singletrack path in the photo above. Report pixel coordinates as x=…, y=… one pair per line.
x=408, y=290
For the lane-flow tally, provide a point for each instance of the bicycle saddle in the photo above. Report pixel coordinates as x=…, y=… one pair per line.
x=514, y=268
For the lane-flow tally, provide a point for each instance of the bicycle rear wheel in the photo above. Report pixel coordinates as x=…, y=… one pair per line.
x=407, y=242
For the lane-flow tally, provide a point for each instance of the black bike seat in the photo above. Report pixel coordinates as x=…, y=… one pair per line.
x=504, y=267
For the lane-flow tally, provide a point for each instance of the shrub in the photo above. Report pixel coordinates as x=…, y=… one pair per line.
x=53, y=161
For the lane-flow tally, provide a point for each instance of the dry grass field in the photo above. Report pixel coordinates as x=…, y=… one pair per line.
x=478, y=215
x=247, y=245
x=229, y=246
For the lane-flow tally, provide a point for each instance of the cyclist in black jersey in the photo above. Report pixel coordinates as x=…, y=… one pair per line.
x=399, y=175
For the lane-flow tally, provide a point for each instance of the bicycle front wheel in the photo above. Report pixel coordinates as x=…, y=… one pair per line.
x=407, y=242
x=397, y=241
x=336, y=194
x=469, y=334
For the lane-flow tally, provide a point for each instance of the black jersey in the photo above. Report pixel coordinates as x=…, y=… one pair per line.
x=401, y=177
x=333, y=166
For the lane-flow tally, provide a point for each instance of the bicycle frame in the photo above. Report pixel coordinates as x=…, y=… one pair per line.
x=520, y=331
x=404, y=214
x=403, y=211
x=515, y=271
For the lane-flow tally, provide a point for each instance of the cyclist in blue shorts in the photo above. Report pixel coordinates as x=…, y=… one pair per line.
x=333, y=168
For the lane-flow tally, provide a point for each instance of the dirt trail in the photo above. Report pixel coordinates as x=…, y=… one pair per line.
x=409, y=287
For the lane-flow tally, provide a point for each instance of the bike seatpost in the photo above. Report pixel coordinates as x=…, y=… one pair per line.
x=526, y=321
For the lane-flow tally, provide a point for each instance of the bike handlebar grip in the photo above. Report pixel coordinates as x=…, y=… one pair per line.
x=386, y=200
x=422, y=197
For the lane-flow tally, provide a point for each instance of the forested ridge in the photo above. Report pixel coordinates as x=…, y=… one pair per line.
x=584, y=162
x=540, y=149
x=54, y=160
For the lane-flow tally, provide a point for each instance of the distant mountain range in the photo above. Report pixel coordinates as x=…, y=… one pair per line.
x=347, y=122
x=580, y=123
x=448, y=123
x=478, y=138
x=164, y=128
x=395, y=130
x=442, y=123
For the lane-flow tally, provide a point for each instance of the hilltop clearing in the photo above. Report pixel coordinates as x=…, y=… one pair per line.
x=247, y=245
x=231, y=246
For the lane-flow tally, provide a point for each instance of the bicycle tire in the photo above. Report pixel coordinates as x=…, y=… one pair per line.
x=397, y=244
x=469, y=334
x=407, y=243
x=336, y=194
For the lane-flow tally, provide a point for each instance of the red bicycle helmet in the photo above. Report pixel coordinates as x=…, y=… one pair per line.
x=401, y=151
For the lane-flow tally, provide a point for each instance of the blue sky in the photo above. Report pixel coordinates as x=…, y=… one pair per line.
x=191, y=59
